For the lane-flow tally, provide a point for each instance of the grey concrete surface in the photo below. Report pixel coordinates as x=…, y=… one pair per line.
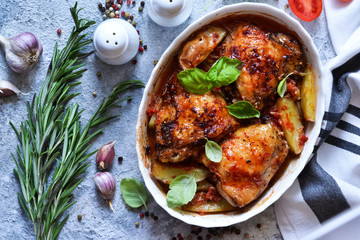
x=43, y=18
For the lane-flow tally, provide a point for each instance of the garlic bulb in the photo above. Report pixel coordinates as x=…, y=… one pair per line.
x=21, y=51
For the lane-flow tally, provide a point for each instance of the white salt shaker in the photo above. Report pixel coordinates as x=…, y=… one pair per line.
x=169, y=13
x=116, y=41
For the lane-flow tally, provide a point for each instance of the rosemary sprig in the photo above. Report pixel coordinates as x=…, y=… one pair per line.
x=53, y=146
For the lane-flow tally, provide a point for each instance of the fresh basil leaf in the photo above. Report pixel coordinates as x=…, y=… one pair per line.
x=223, y=72
x=281, y=88
x=182, y=190
x=193, y=80
x=243, y=110
x=213, y=151
x=133, y=192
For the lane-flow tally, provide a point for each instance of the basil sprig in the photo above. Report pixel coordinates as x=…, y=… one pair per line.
x=133, y=192
x=182, y=191
x=281, y=88
x=243, y=110
x=213, y=151
x=222, y=73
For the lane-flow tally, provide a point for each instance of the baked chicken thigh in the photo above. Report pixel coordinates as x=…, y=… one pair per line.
x=184, y=120
x=251, y=156
x=267, y=58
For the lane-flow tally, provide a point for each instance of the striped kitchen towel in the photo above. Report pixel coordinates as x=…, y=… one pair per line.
x=330, y=182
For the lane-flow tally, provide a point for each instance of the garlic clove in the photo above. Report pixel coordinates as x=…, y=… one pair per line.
x=106, y=185
x=8, y=89
x=105, y=156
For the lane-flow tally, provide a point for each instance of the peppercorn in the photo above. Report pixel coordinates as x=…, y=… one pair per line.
x=104, y=16
x=137, y=224
x=103, y=9
x=246, y=235
x=120, y=2
x=238, y=231
x=117, y=12
x=128, y=2
x=59, y=31
x=141, y=215
x=118, y=6
x=145, y=47
x=152, y=214
x=142, y=3
x=146, y=214
x=111, y=9
x=138, y=32
x=127, y=15
x=134, y=61
x=258, y=225
x=199, y=238
x=122, y=13
x=100, y=6
x=79, y=217
x=129, y=21
x=131, y=17
x=107, y=5
x=141, y=9
x=94, y=94
x=133, y=2
x=174, y=238
x=140, y=42
x=134, y=23
x=156, y=218
x=113, y=5
x=107, y=1
x=112, y=14
x=141, y=49
x=107, y=12
x=155, y=62
x=98, y=74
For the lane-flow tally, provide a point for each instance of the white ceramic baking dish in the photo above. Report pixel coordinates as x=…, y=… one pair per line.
x=273, y=192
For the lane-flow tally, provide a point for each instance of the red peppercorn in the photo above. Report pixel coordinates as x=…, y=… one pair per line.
x=179, y=235
x=116, y=16
x=131, y=17
x=116, y=8
x=122, y=13
x=134, y=61
x=113, y=6
x=141, y=215
x=59, y=31
x=141, y=49
x=134, y=2
x=128, y=1
x=138, y=32
x=208, y=236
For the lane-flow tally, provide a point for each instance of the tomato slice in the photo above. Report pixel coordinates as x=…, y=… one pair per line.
x=306, y=10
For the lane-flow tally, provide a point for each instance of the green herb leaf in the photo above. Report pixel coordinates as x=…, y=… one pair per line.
x=133, y=192
x=281, y=88
x=243, y=110
x=193, y=80
x=182, y=190
x=223, y=72
x=213, y=151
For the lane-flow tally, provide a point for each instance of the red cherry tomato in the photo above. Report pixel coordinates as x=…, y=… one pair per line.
x=306, y=10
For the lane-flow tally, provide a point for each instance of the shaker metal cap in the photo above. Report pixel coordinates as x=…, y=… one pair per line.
x=169, y=13
x=116, y=41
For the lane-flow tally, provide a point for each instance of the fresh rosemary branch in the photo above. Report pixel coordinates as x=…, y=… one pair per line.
x=53, y=146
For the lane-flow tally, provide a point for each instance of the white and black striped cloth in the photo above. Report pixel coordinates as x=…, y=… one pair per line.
x=330, y=182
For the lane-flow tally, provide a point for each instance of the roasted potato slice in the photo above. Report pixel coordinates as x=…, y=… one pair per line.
x=198, y=49
x=203, y=185
x=210, y=207
x=308, y=99
x=291, y=124
x=166, y=172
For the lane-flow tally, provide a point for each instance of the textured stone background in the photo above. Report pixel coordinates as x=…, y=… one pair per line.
x=43, y=18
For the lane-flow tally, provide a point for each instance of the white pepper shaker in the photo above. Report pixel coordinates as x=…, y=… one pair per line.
x=169, y=13
x=116, y=41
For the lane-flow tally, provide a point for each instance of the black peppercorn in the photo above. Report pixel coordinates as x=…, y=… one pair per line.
x=103, y=9
x=156, y=218
x=142, y=3
x=237, y=231
x=100, y=5
x=145, y=47
x=199, y=238
x=108, y=5
x=152, y=214
x=120, y=159
x=146, y=214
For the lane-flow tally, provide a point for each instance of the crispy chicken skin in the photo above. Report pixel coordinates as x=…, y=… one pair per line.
x=267, y=58
x=185, y=119
x=251, y=156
